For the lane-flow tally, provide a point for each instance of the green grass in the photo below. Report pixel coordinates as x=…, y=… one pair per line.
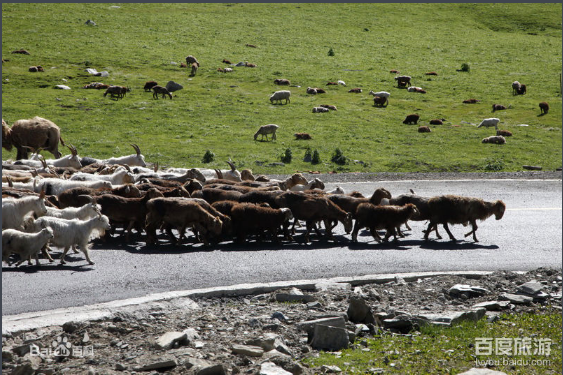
x=443, y=350
x=220, y=112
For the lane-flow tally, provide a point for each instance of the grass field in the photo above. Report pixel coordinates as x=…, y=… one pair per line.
x=220, y=112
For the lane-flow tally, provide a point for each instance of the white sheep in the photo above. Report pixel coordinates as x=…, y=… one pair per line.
x=516, y=87
x=85, y=212
x=320, y=110
x=69, y=233
x=496, y=139
x=264, y=130
x=313, y=184
x=14, y=211
x=342, y=83
x=121, y=176
x=55, y=186
x=24, y=244
x=488, y=122
x=381, y=94
x=278, y=96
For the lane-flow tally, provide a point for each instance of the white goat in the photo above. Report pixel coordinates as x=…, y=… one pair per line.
x=231, y=175
x=55, y=186
x=278, y=96
x=137, y=159
x=381, y=94
x=313, y=184
x=69, y=233
x=342, y=83
x=24, y=244
x=264, y=130
x=488, y=122
x=121, y=176
x=72, y=160
x=336, y=190
x=15, y=210
x=85, y=212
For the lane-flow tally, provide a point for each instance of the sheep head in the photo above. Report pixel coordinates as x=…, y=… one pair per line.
x=347, y=222
x=499, y=207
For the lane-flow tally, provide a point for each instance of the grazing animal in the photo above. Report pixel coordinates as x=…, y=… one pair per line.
x=32, y=134
x=320, y=110
x=416, y=89
x=436, y=122
x=149, y=85
x=227, y=61
x=190, y=60
x=96, y=85
x=24, y=244
x=411, y=119
x=395, y=71
x=341, y=83
x=522, y=90
x=424, y=129
x=313, y=184
x=251, y=45
x=516, y=87
x=160, y=90
x=284, y=82
x=331, y=107
x=332, y=83
x=454, y=209
x=504, y=133
x=194, y=69
x=489, y=122
x=311, y=90
x=431, y=74
x=84, y=212
x=249, y=218
x=498, y=107
x=496, y=139
x=37, y=68
x=249, y=65
x=21, y=52
x=379, y=101
x=14, y=211
x=304, y=136
x=471, y=101
x=278, y=96
x=544, y=107
x=403, y=81
x=382, y=217
x=264, y=130
x=355, y=90
x=116, y=91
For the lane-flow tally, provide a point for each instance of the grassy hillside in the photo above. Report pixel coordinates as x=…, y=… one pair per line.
x=220, y=112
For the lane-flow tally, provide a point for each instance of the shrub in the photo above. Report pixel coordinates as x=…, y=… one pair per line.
x=331, y=52
x=316, y=158
x=208, y=157
x=286, y=157
x=308, y=155
x=465, y=67
x=338, y=157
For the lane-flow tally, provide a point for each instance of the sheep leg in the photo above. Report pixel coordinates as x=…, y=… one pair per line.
x=64, y=255
x=428, y=230
x=391, y=232
x=46, y=253
x=375, y=235
x=86, y=252
x=357, y=227
x=474, y=227
x=328, y=228
x=449, y=233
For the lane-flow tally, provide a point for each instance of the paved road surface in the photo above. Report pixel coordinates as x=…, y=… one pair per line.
x=529, y=236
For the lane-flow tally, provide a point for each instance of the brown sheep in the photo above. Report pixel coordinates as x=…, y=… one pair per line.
x=496, y=139
x=311, y=90
x=331, y=107
x=431, y=74
x=544, y=107
x=194, y=69
x=411, y=119
x=522, y=90
x=332, y=83
x=37, y=68
x=355, y=90
x=251, y=45
x=116, y=91
x=21, y=52
x=379, y=101
x=149, y=85
x=212, y=195
x=304, y=136
x=190, y=60
x=471, y=101
x=160, y=90
x=436, y=122
x=454, y=209
x=350, y=203
x=280, y=81
x=320, y=91
x=516, y=87
x=382, y=217
x=183, y=65
x=498, y=107
x=424, y=129
x=504, y=133
x=96, y=85
x=403, y=81
x=79, y=196
x=249, y=218
x=227, y=61
x=34, y=134
x=249, y=65
x=395, y=71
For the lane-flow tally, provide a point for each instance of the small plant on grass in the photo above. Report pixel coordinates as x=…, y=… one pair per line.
x=208, y=157
x=286, y=157
x=465, y=67
x=316, y=157
x=494, y=165
x=331, y=52
x=339, y=158
x=308, y=155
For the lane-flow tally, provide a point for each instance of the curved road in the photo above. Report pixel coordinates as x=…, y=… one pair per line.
x=529, y=236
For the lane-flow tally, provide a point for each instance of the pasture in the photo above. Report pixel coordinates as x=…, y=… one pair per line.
x=220, y=112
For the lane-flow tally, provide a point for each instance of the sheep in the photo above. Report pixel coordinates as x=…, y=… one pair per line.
x=436, y=121
x=71, y=233
x=304, y=136
x=431, y=74
x=280, y=81
x=331, y=107
x=14, y=211
x=454, y=209
x=332, y=83
x=382, y=217
x=381, y=94
x=341, y=82
x=190, y=60
x=55, y=186
x=515, y=87
x=420, y=202
x=416, y=89
x=149, y=85
x=278, y=96
x=226, y=61
x=424, y=129
x=411, y=119
x=84, y=212
x=403, y=81
x=471, y=101
x=350, y=203
x=311, y=90
x=320, y=110
x=249, y=65
x=180, y=214
x=120, y=177
x=260, y=196
x=251, y=45
x=35, y=69
x=395, y=71
x=160, y=90
x=24, y=244
x=488, y=122
x=96, y=85
x=194, y=67
x=355, y=90
x=498, y=107
x=32, y=133
x=227, y=70
x=496, y=139
x=313, y=184
x=21, y=52
x=379, y=101
x=522, y=90
x=264, y=130
x=116, y=91
x=250, y=218
x=212, y=195
x=544, y=108
x=504, y=133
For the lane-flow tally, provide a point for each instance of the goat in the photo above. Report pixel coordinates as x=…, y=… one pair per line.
x=544, y=108
x=260, y=196
x=79, y=196
x=424, y=129
x=504, y=133
x=355, y=90
x=212, y=195
x=436, y=122
x=320, y=110
x=194, y=67
x=278, y=96
x=403, y=81
x=149, y=85
x=71, y=233
x=24, y=244
x=516, y=87
x=55, y=186
x=14, y=211
x=496, y=139
x=454, y=209
x=84, y=212
x=116, y=91
x=280, y=81
x=350, y=203
x=131, y=160
x=250, y=218
x=160, y=90
x=304, y=136
x=411, y=119
x=489, y=122
x=264, y=130
x=498, y=107
x=313, y=184
x=331, y=107
x=190, y=60
x=416, y=89
x=379, y=101
x=382, y=217
x=120, y=177
x=32, y=133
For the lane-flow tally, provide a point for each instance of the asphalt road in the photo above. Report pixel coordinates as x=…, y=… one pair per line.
x=529, y=236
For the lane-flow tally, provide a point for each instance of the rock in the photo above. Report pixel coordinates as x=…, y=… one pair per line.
x=120, y=367
x=314, y=305
x=309, y=326
x=159, y=366
x=459, y=290
x=274, y=354
x=531, y=288
x=71, y=327
x=400, y=281
x=359, y=311
x=25, y=369
x=248, y=350
x=173, y=86
x=294, y=295
x=269, y=368
x=516, y=299
x=62, y=87
x=266, y=342
x=330, y=369
x=482, y=371
x=21, y=350
x=329, y=338
x=489, y=305
x=279, y=316
x=327, y=286
x=199, y=366
x=7, y=356
x=168, y=340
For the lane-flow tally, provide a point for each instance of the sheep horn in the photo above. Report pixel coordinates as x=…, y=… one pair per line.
x=10, y=182
x=137, y=149
x=219, y=174
x=34, y=173
x=72, y=149
x=233, y=168
x=126, y=166
x=42, y=159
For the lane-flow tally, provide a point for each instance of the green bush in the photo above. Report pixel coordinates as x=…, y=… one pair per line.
x=208, y=157
x=286, y=157
x=338, y=157
x=316, y=157
x=465, y=67
x=331, y=52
